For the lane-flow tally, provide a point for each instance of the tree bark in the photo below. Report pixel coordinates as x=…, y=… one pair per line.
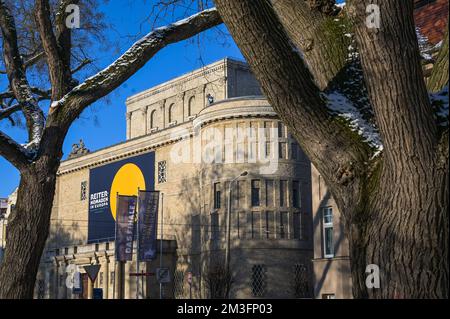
x=395, y=207
x=27, y=231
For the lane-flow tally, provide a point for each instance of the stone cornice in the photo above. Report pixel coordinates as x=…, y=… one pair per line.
x=246, y=107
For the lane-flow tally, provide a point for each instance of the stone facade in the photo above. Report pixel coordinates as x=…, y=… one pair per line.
x=275, y=208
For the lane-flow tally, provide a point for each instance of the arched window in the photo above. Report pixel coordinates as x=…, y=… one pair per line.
x=172, y=112
x=153, y=119
x=191, y=105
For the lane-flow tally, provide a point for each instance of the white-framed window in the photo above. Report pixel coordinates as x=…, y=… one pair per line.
x=328, y=240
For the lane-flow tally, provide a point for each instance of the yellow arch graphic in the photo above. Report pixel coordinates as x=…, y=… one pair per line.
x=126, y=182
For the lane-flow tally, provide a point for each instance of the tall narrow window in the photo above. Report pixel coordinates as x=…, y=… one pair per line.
x=253, y=225
x=255, y=193
x=268, y=226
x=282, y=151
x=242, y=223
x=283, y=225
x=162, y=172
x=240, y=190
x=296, y=194
x=83, y=195
x=217, y=195
x=171, y=113
x=269, y=193
x=259, y=280
x=281, y=129
x=283, y=193
x=328, y=241
x=296, y=220
x=153, y=119
x=191, y=106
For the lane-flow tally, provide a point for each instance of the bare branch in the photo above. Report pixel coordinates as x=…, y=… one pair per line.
x=59, y=70
x=132, y=60
x=17, y=77
x=439, y=74
x=13, y=152
x=6, y=112
x=83, y=63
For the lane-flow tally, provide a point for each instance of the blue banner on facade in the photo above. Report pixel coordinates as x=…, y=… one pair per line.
x=147, y=224
x=124, y=177
x=126, y=214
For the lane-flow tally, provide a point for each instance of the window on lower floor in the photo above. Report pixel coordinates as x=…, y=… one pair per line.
x=253, y=225
x=268, y=229
x=283, y=227
x=328, y=296
x=259, y=280
x=217, y=195
x=296, y=220
x=327, y=222
x=255, y=193
x=300, y=282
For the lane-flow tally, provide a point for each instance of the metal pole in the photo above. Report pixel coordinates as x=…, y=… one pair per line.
x=137, y=247
x=115, y=252
x=161, y=244
x=228, y=243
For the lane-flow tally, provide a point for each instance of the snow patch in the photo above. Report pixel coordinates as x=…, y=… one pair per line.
x=339, y=105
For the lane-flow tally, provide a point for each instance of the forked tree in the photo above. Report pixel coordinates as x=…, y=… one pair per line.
x=349, y=85
x=39, y=159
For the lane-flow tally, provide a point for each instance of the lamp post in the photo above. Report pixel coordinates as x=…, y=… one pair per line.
x=227, y=248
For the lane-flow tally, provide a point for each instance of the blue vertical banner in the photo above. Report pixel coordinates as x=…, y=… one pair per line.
x=147, y=224
x=125, y=217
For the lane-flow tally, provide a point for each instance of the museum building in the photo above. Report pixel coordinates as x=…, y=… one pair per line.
x=211, y=144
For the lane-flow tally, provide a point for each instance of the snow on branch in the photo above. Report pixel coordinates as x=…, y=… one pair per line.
x=342, y=107
x=13, y=152
x=132, y=60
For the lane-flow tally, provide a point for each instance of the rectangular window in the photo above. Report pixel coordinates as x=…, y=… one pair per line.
x=296, y=194
x=282, y=150
x=268, y=228
x=255, y=193
x=267, y=149
x=162, y=172
x=259, y=280
x=240, y=198
x=328, y=241
x=269, y=193
x=217, y=195
x=295, y=151
x=296, y=220
x=328, y=296
x=283, y=225
x=253, y=225
x=242, y=224
x=281, y=130
x=83, y=195
x=283, y=193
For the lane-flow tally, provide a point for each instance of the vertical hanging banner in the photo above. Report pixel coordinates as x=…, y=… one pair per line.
x=126, y=212
x=147, y=224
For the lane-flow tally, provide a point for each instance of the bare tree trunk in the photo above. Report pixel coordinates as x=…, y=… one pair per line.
x=395, y=206
x=27, y=230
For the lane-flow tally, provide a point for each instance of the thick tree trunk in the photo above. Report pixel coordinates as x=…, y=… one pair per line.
x=395, y=207
x=27, y=230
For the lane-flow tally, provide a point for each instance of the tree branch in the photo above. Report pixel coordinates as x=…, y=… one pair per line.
x=320, y=38
x=286, y=82
x=17, y=77
x=60, y=75
x=130, y=62
x=393, y=75
x=439, y=74
x=13, y=152
x=6, y=112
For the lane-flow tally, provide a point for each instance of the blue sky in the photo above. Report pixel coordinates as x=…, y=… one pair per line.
x=103, y=124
